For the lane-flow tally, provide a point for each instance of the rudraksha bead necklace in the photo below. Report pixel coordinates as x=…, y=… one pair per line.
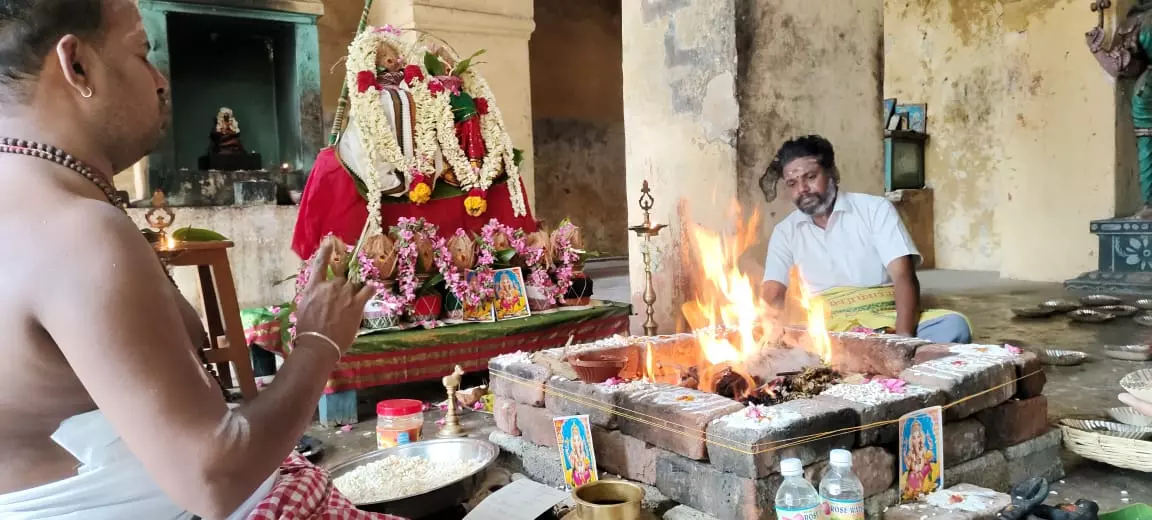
x=51, y=153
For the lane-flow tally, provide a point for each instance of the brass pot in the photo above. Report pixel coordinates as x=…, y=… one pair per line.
x=609, y=500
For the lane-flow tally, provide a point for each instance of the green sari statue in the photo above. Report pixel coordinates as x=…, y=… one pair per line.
x=1128, y=55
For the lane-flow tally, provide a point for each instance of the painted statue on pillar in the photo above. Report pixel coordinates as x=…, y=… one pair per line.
x=1127, y=54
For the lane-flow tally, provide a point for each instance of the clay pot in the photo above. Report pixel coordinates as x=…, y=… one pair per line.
x=426, y=308
x=597, y=368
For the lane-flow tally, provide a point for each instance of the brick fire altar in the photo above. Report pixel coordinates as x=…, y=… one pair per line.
x=721, y=456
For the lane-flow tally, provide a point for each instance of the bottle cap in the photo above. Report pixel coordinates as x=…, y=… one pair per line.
x=399, y=407
x=791, y=467
x=840, y=458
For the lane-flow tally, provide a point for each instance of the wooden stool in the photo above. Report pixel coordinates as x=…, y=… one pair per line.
x=218, y=295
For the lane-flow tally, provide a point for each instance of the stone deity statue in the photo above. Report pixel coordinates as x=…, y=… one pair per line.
x=226, y=134
x=1127, y=55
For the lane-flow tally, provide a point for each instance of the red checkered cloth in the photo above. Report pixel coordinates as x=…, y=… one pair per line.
x=304, y=491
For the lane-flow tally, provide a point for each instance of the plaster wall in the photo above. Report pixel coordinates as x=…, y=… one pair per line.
x=578, y=119
x=261, y=257
x=1028, y=140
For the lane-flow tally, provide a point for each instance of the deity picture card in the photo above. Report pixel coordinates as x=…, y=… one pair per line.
x=485, y=312
x=577, y=458
x=921, y=454
x=511, y=294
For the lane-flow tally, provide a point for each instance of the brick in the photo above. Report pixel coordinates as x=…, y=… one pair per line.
x=672, y=356
x=882, y=354
x=706, y=489
x=921, y=510
x=504, y=411
x=539, y=463
x=683, y=512
x=989, y=471
x=515, y=379
x=535, y=424
x=871, y=409
x=1015, y=421
x=671, y=417
x=874, y=466
x=627, y=347
x=966, y=376
x=623, y=455
x=566, y=397
x=1027, y=363
x=780, y=424
x=963, y=441
x=1039, y=457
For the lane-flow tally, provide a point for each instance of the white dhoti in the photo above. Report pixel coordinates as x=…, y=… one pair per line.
x=111, y=483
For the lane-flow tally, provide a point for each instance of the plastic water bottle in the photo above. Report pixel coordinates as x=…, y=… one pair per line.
x=841, y=490
x=796, y=499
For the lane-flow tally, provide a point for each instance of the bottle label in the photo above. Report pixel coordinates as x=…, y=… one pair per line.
x=807, y=513
x=845, y=509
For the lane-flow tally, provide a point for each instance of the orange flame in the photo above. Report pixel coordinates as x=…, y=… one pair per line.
x=816, y=309
x=649, y=374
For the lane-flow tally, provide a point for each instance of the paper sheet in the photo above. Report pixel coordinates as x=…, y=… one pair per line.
x=520, y=500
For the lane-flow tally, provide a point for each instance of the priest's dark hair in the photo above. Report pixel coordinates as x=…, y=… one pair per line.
x=30, y=29
x=798, y=148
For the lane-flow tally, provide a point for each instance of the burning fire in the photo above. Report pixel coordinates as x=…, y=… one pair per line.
x=731, y=320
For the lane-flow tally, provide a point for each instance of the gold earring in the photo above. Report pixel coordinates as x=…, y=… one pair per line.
x=87, y=93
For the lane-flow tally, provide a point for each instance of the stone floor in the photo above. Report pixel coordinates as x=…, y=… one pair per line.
x=1086, y=390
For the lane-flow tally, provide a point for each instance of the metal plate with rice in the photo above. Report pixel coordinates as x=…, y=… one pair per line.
x=1145, y=303
x=1110, y=428
x=1129, y=352
x=444, y=495
x=1064, y=358
x=1120, y=311
x=1033, y=312
x=1130, y=416
x=1144, y=319
x=1060, y=305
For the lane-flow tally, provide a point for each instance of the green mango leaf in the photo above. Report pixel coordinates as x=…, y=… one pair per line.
x=430, y=284
x=463, y=107
x=465, y=63
x=505, y=256
x=517, y=156
x=433, y=64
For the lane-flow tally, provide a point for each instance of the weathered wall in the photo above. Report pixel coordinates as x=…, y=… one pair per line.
x=680, y=119
x=336, y=28
x=1024, y=146
x=809, y=68
x=578, y=119
x=262, y=254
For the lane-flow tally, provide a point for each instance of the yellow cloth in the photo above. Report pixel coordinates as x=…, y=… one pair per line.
x=869, y=307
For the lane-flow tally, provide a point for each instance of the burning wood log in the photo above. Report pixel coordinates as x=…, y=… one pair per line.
x=794, y=385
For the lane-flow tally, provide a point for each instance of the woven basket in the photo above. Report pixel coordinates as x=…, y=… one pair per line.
x=1116, y=451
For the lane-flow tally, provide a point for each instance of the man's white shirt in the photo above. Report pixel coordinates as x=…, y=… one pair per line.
x=863, y=235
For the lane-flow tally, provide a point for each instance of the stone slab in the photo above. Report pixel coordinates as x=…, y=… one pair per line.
x=625, y=455
x=963, y=441
x=515, y=377
x=535, y=425
x=981, y=381
x=723, y=495
x=876, y=506
x=504, y=411
x=1039, y=457
x=1029, y=368
x=732, y=436
x=872, y=407
x=683, y=512
x=1015, y=421
x=671, y=417
x=987, y=471
x=567, y=397
x=538, y=463
x=937, y=506
x=882, y=354
x=874, y=466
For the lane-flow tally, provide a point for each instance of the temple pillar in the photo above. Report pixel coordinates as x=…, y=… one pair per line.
x=500, y=27
x=712, y=89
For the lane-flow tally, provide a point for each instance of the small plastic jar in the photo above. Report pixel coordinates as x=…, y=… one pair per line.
x=398, y=421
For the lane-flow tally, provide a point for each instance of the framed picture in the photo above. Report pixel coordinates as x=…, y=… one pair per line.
x=921, y=454
x=485, y=312
x=889, y=109
x=917, y=116
x=577, y=458
x=896, y=122
x=511, y=294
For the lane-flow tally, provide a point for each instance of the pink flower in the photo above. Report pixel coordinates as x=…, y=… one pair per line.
x=893, y=386
x=435, y=86
x=440, y=422
x=274, y=309
x=1013, y=349
x=388, y=28
x=478, y=405
x=346, y=428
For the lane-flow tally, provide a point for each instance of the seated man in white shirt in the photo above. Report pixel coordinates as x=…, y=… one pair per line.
x=851, y=249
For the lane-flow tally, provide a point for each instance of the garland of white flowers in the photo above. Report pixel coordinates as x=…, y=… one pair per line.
x=376, y=135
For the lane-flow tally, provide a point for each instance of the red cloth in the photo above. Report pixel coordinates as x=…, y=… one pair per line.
x=305, y=492
x=330, y=204
x=470, y=138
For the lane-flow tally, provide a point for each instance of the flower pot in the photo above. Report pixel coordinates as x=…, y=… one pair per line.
x=426, y=307
x=453, y=307
x=379, y=315
x=540, y=299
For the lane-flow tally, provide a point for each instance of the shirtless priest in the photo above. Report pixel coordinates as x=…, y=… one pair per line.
x=852, y=250
x=105, y=410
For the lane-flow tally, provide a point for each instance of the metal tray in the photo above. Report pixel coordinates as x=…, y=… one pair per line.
x=448, y=495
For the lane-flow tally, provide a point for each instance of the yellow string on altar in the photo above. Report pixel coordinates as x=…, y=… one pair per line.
x=715, y=440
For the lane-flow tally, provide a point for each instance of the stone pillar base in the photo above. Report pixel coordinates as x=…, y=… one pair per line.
x=1125, y=258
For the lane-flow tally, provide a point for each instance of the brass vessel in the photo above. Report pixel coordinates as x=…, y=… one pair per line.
x=609, y=500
